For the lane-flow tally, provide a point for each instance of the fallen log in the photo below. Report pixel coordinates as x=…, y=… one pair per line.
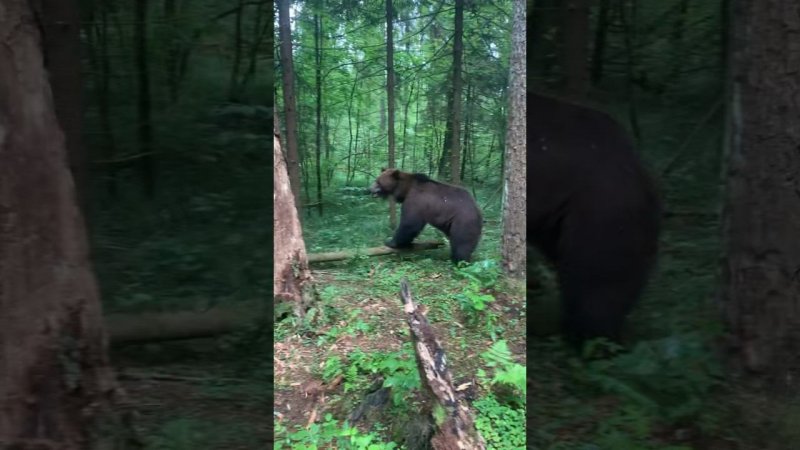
x=455, y=426
x=154, y=327
x=373, y=251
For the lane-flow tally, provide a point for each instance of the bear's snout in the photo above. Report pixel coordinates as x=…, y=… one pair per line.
x=376, y=190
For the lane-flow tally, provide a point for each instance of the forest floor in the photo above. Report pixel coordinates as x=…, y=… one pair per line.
x=187, y=396
x=327, y=365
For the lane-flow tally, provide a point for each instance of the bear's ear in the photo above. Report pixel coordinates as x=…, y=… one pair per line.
x=395, y=174
x=383, y=169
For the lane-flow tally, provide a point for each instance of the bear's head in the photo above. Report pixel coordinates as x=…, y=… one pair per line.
x=388, y=183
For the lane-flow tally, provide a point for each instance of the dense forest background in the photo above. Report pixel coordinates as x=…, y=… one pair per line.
x=177, y=103
x=342, y=111
x=422, y=87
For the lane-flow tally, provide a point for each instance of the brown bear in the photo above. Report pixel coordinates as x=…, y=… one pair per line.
x=425, y=201
x=593, y=211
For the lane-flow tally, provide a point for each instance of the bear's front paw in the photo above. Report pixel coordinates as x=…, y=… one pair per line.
x=391, y=243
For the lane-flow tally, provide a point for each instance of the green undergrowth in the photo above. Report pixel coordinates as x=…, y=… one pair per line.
x=356, y=335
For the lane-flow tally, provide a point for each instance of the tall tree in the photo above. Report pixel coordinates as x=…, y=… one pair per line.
x=289, y=101
x=57, y=389
x=458, y=56
x=761, y=286
x=104, y=97
x=61, y=23
x=390, y=101
x=172, y=53
x=233, y=87
x=145, y=126
x=318, y=83
x=514, y=224
x=575, y=61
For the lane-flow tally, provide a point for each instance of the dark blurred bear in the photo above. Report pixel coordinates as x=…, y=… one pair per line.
x=593, y=211
x=449, y=208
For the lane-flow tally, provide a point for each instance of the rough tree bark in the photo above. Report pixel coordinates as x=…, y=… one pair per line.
x=57, y=389
x=289, y=100
x=292, y=277
x=761, y=270
x=514, y=223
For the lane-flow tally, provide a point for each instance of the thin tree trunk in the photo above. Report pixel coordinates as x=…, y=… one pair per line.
x=318, y=78
x=416, y=122
x=629, y=26
x=405, y=125
x=465, y=146
x=514, y=221
x=350, y=124
x=355, y=144
x=172, y=53
x=261, y=29
x=458, y=83
x=233, y=86
x=147, y=161
x=57, y=388
x=390, y=102
x=445, y=160
x=104, y=98
x=289, y=100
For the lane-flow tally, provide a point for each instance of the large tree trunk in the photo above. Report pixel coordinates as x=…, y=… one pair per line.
x=292, y=277
x=514, y=230
x=62, y=57
x=57, y=389
x=289, y=100
x=575, y=61
x=761, y=286
x=390, y=101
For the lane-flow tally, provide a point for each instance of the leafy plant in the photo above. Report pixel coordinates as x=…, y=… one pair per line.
x=329, y=433
x=502, y=426
x=507, y=371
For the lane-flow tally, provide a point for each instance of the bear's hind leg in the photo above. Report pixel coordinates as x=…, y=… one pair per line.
x=463, y=243
x=597, y=308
